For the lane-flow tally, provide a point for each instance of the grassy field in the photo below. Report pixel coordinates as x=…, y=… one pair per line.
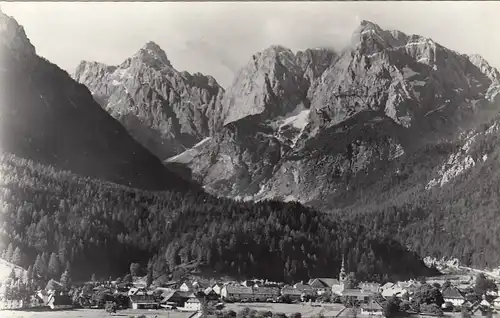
x=93, y=313
x=305, y=309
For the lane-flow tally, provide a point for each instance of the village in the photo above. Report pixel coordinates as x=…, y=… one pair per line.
x=343, y=296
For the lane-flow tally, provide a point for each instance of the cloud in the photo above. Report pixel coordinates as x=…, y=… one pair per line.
x=217, y=38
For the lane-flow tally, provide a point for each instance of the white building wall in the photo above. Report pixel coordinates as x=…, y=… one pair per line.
x=216, y=289
x=455, y=302
x=223, y=292
x=184, y=288
x=373, y=313
x=193, y=306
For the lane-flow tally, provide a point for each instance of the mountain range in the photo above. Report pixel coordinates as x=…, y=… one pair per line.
x=394, y=133
x=348, y=131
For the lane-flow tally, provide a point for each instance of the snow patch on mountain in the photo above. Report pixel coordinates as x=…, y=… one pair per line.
x=298, y=121
x=188, y=155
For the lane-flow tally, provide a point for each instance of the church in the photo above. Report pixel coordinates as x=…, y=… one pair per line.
x=339, y=285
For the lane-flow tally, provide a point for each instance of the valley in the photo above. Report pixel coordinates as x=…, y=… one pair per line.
x=364, y=160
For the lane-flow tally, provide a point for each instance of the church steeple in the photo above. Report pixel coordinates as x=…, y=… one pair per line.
x=342, y=274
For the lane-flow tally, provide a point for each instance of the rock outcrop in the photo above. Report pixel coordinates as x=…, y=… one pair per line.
x=166, y=110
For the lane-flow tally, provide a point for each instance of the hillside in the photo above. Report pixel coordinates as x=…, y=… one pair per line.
x=454, y=198
x=48, y=117
x=100, y=227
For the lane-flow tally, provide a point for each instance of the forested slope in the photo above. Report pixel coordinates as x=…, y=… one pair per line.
x=100, y=227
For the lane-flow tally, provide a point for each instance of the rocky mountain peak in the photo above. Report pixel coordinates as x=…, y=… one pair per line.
x=315, y=61
x=13, y=37
x=271, y=83
x=164, y=109
x=492, y=73
x=269, y=58
x=365, y=25
x=153, y=55
x=370, y=38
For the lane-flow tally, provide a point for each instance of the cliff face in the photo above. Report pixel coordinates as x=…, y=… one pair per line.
x=165, y=110
x=48, y=117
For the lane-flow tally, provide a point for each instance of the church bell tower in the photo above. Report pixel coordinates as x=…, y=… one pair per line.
x=342, y=274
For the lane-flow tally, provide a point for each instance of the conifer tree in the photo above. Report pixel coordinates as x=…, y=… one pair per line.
x=37, y=267
x=16, y=257
x=29, y=274
x=66, y=280
x=9, y=252
x=149, y=280
x=53, y=267
x=12, y=274
x=44, y=264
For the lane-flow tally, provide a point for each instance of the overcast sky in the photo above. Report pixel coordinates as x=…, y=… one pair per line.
x=217, y=38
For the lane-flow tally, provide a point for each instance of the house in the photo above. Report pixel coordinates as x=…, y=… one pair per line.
x=177, y=297
x=208, y=293
x=482, y=308
x=387, y=286
x=496, y=303
x=43, y=295
x=186, y=287
x=408, y=285
x=144, y=302
x=248, y=283
x=372, y=308
x=193, y=304
x=57, y=301
x=236, y=292
x=485, y=304
x=164, y=293
x=468, y=304
x=322, y=285
x=337, y=286
x=121, y=290
x=197, y=285
x=263, y=293
x=217, y=288
x=492, y=293
x=132, y=291
x=208, y=290
x=454, y=296
x=293, y=293
x=35, y=301
x=305, y=289
x=373, y=287
x=394, y=291
x=53, y=286
x=358, y=295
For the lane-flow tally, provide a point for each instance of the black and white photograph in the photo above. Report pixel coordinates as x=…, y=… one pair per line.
x=246, y=159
